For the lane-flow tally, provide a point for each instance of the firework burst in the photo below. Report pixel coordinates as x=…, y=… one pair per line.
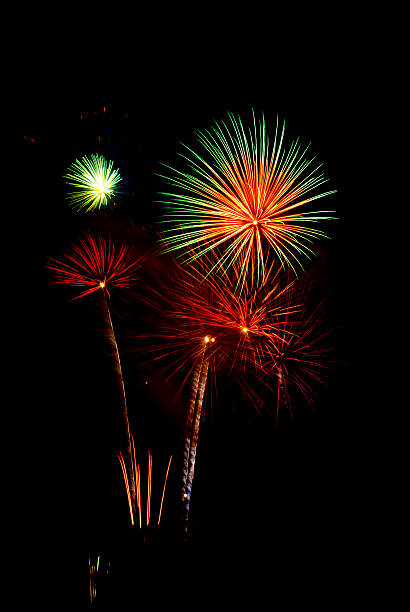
x=198, y=313
x=95, y=264
x=206, y=327
x=95, y=183
x=244, y=198
x=99, y=264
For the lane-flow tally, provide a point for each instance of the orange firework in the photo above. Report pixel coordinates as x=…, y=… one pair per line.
x=244, y=197
x=137, y=472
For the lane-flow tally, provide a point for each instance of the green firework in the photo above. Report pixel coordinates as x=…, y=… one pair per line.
x=95, y=183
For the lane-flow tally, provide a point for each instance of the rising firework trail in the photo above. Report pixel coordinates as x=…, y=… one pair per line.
x=97, y=264
x=94, y=183
x=244, y=198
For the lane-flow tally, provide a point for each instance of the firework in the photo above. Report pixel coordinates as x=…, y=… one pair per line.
x=97, y=264
x=301, y=355
x=137, y=472
x=244, y=199
x=95, y=183
x=93, y=571
x=195, y=312
x=98, y=569
x=163, y=490
x=205, y=327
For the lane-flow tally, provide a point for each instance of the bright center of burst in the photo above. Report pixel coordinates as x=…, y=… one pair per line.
x=255, y=222
x=101, y=186
x=245, y=330
x=102, y=285
x=208, y=339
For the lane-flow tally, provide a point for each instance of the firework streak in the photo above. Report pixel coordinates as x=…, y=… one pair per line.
x=121, y=388
x=137, y=472
x=243, y=199
x=191, y=437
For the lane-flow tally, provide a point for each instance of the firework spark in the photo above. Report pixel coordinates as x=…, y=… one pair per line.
x=96, y=183
x=244, y=198
x=137, y=472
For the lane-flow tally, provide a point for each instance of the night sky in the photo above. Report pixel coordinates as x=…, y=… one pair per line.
x=289, y=490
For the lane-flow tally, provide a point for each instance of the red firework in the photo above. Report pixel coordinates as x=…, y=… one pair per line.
x=301, y=354
x=96, y=263
x=197, y=313
x=202, y=327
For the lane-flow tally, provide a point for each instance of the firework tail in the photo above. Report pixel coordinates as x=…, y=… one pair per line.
x=120, y=383
x=163, y=491
x=149, y=487
x=194, y=441
x=188, y=428
x=283, y=394
x=127, y=487
x=137, y=472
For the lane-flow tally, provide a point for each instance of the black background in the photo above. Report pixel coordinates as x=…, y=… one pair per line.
x=295, y=492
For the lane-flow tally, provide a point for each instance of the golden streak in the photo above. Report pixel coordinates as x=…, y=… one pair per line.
x=149, y=487
x=163, y=492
